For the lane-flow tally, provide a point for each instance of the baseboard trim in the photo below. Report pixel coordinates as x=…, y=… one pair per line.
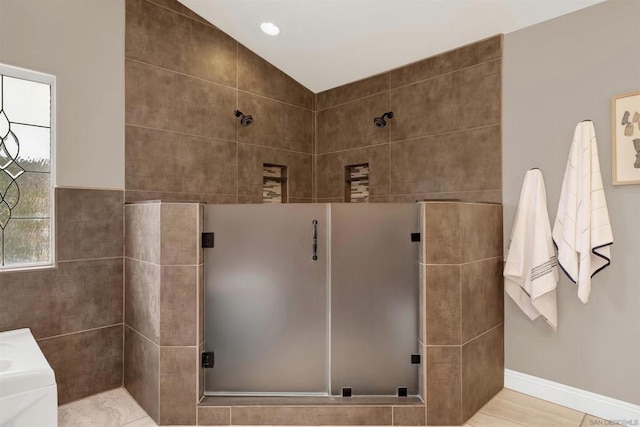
x=574, y=398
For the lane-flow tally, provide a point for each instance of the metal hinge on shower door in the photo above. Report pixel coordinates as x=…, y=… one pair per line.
x=208, y=359
x=208, y=240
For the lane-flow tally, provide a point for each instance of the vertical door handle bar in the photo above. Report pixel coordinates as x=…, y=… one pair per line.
x=315, y=240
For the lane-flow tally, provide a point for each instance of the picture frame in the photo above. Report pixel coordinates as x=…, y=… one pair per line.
x=625, y=138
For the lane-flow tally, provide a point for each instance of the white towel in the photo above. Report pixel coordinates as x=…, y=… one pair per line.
x=582, y=231
x=531, y=269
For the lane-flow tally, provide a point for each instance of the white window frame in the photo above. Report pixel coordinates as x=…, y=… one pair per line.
x=36, y=76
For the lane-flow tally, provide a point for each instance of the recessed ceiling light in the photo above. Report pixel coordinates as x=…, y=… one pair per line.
x=270, y=28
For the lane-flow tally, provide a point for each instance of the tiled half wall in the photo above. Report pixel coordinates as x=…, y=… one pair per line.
x=462, y=308
x=164, y=309
x=75, y=310
x=460, y=337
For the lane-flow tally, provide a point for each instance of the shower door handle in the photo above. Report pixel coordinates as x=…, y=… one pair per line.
x=315, y=240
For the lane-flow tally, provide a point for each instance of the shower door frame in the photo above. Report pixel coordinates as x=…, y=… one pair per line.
x=275, y=243
x=327, y=253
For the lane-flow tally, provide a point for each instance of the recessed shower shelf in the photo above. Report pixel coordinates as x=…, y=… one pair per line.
x=310, y=401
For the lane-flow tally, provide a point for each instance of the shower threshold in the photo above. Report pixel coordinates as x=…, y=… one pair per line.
x=307, y=400
x=312, y=410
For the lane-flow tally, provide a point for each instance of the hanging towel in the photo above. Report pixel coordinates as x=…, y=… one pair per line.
x=531, y=269
x=582, y=231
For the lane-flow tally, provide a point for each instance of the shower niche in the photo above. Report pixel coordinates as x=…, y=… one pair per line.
x=308, y=299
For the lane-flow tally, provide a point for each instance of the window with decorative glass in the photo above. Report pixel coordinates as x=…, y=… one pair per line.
x=27, y=124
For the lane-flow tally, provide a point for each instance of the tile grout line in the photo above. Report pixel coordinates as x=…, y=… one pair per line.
x=159, y=371
x=185, y=201
x=482, y=334
x=398, y=141
x=275, y=148
x=341, y=104
x=75, y=187
x=184, y=15
x=276, y=100
x=460, y=308
x=314, y=159
x=497, y=58
x=79, y=332
x=161, y=265
x=461, y=386
x=87, y=259
x=390, y=136
x=468, y=341
x=391, y=88
x=195, y=135
x=124, y=280
x=584, y=417
x=498, y=257
x=450, y=192
x=332, y=405
x=180, y=73
x=237, y=141
x=352, y=149
x=144, y=336
x=433, y=135
x=137, y=419
x=463, y=263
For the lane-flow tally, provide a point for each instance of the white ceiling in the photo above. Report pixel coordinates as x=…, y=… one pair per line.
x=328, y=43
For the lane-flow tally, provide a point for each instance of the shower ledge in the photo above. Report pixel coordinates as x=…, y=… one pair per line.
x=310, y=401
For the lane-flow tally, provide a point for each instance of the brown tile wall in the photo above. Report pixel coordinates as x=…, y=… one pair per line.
x=184, y=78
x=163, y=308
x=444, y=141
x=75, y=309
x=462, y=300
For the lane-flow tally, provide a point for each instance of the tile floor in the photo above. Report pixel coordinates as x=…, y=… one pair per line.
x=116, y=408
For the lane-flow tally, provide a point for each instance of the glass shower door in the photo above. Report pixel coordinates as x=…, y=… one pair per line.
x=266, y=308
x=374, y=298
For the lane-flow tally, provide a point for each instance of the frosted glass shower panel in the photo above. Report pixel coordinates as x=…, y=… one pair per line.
x=374, y=294
x=266, y=299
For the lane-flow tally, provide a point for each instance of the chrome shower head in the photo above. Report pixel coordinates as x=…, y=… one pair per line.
x=245, y=119
x=380, y=121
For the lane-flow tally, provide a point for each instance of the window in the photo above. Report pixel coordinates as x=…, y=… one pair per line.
x=274, y=183
x=356, y=188
x=27, y=131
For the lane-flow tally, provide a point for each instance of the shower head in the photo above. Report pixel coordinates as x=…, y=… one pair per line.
x=380, y=121
x=245, y=119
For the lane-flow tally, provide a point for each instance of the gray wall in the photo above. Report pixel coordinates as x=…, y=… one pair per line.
x=556, y=74
x=81, y=43
x=75, y=310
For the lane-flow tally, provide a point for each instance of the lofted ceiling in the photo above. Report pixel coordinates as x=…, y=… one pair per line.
x=328, y=43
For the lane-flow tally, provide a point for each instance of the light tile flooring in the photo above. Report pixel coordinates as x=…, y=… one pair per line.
x=116, y=408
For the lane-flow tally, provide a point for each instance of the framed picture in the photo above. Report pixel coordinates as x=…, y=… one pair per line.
x=625, y=138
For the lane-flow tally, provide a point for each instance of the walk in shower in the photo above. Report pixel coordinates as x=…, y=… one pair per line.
x=312, y=299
